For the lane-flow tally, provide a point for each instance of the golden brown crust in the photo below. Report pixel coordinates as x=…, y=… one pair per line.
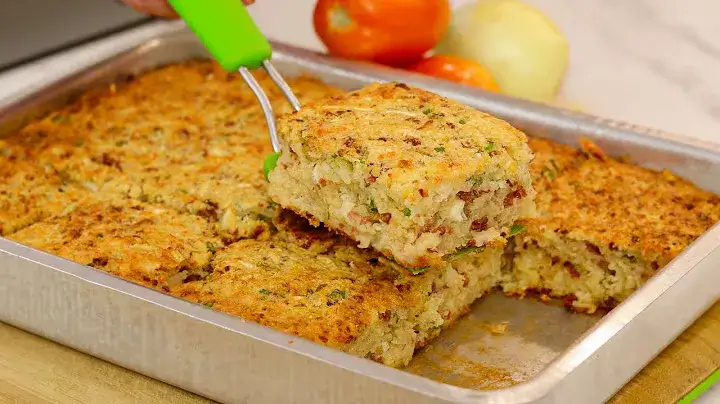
x=124, y=136
x=29, y=194
x=595, y=198
x=329, y=298
x=228, y=192
x=147, y=244
x=550, y=159
x=414, y=139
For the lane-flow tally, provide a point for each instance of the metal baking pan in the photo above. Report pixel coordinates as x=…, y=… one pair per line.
x=547, y=355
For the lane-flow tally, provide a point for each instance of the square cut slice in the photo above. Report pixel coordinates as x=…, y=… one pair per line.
x=404, y=171
x=150, y=245
x=604, y=227
x=343, y=297
x=229, y=192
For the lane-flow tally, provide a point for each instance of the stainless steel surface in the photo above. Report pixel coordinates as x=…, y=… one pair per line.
x=267, y=109
x=264, y=104
x=278, y=79
x=556, y=356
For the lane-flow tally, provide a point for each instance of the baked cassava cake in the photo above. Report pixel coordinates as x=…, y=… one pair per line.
x=29, y=194
x=404, y=171
x=310, y=283
x=147, y=244
x=230, y=193
x=604, y=227
x=160, y=181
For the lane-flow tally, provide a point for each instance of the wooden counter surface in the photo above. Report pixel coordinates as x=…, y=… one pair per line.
x=36, y=371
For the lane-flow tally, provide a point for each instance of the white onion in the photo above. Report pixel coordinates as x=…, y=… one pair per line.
x=525, y=52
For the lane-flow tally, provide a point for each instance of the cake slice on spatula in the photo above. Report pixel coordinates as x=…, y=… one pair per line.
x=409, y=173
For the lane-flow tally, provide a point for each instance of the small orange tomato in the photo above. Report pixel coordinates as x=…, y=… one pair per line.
x=457, y=69
x=391, y=32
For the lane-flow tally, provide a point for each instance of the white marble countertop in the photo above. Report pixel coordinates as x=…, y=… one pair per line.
x=649, y=62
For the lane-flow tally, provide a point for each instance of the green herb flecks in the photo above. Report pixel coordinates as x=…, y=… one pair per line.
x=60, y=119
x=209, y=304
x=211, y=247
x=372, y=206
x=439, y=149
x=264, y=292
x=464, y=251
x=462, y=122
x=270, y=163
x=490, y=146
x=554, y=165
x=549, y=173
x=476, y=179
x=552, y=171
x=418, y=271
x=517, y=229
x=335, y=297
x=427, y=111
x=407, y=212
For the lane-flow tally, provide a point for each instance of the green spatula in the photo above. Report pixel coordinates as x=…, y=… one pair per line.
x=229, y=33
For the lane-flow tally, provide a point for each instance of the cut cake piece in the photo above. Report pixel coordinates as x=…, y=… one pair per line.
x=604, y=227
x=404, y=171
x=228, y=192
x=312, y=284
x=147, y=244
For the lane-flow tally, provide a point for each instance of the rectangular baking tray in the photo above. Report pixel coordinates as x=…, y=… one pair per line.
x=547, y=355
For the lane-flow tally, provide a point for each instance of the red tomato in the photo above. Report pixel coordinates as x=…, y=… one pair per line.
x=391, y=32
x=457, y=69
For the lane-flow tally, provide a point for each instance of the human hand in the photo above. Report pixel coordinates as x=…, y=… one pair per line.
x=160, y=8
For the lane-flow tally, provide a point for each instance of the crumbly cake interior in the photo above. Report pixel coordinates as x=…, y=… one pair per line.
x=160, y=181
x=604, y=227
x=405, y=172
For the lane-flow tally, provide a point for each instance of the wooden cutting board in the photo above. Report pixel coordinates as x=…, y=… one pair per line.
x=35, y=370
x=688, y=361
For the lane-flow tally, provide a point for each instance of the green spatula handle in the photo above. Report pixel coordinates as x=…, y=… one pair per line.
x=227, y=31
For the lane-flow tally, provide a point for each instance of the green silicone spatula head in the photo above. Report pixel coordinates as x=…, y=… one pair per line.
x=227, y=30
x=232, y=38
